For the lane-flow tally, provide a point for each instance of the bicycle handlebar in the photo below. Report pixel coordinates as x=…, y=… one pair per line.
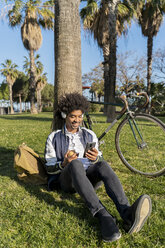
x=146, y=99
x=124, y=100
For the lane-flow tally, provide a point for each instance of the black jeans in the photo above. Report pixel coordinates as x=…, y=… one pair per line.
x=74, y=177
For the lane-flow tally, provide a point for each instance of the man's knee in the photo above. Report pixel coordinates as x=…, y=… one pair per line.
x=75, y=165
x=103, y=164
x=104, y=168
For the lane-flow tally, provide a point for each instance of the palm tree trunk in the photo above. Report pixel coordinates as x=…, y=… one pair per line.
x=32, y=82
x=11, y=99
x=67, y=51
x=112, y=59
x=106, y=74
x=39, y=103
x=149, y=67
x=20, y=103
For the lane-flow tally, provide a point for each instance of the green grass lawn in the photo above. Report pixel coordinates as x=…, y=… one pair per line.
x=30, y=216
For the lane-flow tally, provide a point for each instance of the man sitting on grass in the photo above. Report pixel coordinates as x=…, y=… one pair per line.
x=73, y=171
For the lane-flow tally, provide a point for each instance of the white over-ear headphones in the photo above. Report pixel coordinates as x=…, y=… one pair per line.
x=63, y=115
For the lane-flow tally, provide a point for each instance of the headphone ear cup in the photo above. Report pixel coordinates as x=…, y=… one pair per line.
x=63, y=115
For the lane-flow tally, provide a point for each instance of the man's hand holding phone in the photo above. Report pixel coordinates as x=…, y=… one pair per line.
x=90, y=151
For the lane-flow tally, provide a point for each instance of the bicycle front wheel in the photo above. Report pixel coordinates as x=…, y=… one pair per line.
x=140, y=143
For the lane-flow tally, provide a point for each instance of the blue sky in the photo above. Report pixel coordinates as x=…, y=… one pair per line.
x=12, y=48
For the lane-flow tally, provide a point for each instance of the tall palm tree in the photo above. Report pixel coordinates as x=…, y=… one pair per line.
x=150, y=18
x=41, y=79
x=105, y=22
x=67, y=51
x=10, y=72
x=31, y=15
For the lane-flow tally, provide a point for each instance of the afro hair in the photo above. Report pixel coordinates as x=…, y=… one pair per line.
x=72, y=101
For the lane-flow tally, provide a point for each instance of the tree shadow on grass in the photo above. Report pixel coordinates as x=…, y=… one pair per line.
x=77, y=209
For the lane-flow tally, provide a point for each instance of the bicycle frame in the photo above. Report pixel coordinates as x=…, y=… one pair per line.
x=110, y=126
x=140, y=145
x=129, y=114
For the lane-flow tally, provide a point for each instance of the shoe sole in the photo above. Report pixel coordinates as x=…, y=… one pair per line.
x=112, y=240
x=143, y=211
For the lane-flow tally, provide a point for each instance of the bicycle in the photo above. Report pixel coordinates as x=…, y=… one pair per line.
x=139, y=139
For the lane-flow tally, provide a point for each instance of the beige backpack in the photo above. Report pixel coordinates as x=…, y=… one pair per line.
x=29, y=166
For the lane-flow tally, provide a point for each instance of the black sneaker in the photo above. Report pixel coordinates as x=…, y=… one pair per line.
x=109, y=229
x=138, y=214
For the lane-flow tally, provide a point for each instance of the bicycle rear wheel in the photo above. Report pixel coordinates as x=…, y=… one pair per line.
x=146, y=155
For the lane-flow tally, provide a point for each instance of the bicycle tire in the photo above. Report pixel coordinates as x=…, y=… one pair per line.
x=149, y=158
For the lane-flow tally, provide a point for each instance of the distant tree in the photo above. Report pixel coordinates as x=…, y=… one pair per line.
x=31, y=15
x=48, y=95
x=1, y=95
x=159, y=64
x=157, y=98
x=130, y=72
x=95, y=74
x=94, y=79
x=41, y=83
x=21, y=89
x=10, y=72
x=4, y=91
x=26, y=65
x=150, y=17
x=98, y=89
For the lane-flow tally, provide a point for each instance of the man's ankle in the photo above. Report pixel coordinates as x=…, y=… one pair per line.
x=102, y=212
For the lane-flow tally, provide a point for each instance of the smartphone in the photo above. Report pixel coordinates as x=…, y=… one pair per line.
x=89, y=146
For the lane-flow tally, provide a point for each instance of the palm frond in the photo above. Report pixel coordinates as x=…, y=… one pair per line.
x=87, y=13
x=14, y=15
x=151, y=17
